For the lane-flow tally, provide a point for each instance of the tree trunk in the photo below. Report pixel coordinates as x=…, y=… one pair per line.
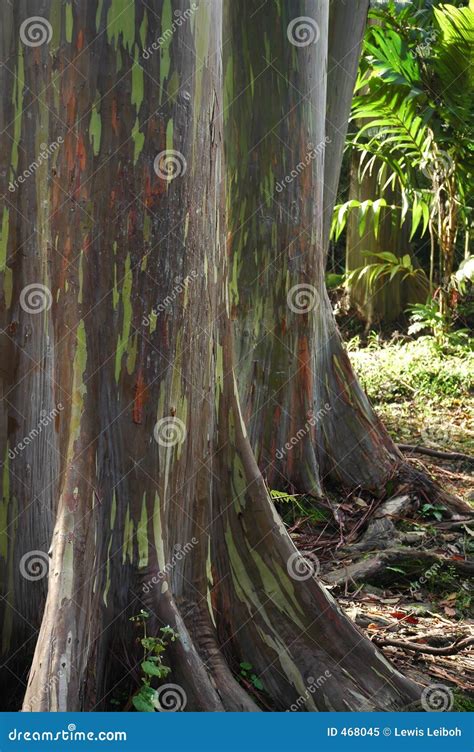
x=31, y=398
x=389, y=298
x=344, y=46
x=308, y=417
x=159, y=503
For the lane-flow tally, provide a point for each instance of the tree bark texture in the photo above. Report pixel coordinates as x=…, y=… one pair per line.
x=151, y=495
x=309, y=419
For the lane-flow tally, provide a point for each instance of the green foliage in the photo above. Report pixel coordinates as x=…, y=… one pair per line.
x=247, y=672
x=390, y=266
x=463, y=703
x=427, y=316
x=414, y=107
x=152, y=665
x=432, y=510
x=413, y=370
x=293, y=506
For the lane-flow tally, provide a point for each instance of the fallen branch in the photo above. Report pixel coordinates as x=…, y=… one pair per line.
x=454, y=649
x=435, y=452
x=381, y=567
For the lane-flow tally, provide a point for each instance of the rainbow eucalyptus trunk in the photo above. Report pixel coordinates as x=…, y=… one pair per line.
x=308, y=417
x=32, y=399
x=158, y=502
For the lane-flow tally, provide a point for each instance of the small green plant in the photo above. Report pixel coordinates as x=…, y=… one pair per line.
x=247, y=672
x=152, y=665
x=298, y=505
x=432, y=510
x=427, y=316
x=389, y=266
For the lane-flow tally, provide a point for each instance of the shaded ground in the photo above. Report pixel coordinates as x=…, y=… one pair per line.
x=406, y=575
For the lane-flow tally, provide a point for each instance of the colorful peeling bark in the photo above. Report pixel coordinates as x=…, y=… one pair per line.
x=149, y=454
x=308, y=416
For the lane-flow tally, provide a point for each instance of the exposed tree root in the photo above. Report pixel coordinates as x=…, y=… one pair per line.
x=408, y=480
x=454, y=649
x=435, y=452
x=379, y=568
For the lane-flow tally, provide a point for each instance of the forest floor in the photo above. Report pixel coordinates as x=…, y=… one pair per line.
x=405, y=577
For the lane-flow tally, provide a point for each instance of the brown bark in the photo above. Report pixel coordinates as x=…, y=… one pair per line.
x=308, y=418
x=153, y=452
